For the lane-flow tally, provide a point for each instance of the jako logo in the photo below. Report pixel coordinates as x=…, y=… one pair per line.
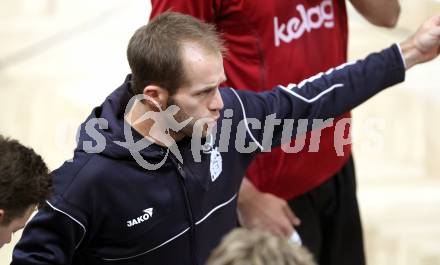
x=147, y=214
x=312, y=18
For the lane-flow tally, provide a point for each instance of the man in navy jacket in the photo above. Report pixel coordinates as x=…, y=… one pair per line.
x=155, y=176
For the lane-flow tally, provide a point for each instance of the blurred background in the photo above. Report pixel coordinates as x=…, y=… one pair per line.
x=58, y=59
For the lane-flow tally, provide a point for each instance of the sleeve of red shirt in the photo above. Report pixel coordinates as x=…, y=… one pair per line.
x=202, y=9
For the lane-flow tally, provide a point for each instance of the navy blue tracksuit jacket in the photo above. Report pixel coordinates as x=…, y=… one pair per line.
x=107, y=209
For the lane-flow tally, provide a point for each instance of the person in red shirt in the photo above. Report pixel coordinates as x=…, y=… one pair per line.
x=317, y=182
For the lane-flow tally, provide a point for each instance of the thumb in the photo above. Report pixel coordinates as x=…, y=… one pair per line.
x=291, y=216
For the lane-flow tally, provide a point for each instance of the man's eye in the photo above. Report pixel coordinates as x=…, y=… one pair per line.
x=205, y=92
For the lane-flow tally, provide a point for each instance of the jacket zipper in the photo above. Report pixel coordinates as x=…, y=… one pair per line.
x=189, y=211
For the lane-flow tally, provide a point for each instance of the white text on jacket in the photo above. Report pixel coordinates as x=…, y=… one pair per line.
x=312, y=18
x=148, y=213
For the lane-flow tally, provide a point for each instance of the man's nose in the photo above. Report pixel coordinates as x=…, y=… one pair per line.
x=216, y=103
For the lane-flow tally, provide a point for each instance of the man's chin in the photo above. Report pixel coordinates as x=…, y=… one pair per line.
x=208, y=129
x=200, y=130
x=201, y=135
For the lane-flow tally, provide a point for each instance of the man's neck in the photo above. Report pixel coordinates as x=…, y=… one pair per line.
x=144, y=126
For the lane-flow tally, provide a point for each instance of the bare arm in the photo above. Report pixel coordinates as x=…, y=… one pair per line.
x=424, y=45
x=382, y=13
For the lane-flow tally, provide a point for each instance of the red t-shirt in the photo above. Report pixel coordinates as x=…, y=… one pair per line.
x=279, y=42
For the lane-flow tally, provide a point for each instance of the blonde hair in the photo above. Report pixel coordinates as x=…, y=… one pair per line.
x=245, y=247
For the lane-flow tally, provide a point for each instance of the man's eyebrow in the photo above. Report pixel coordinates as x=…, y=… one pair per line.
x=224, y=79
x=207, y=88
x=212, y=86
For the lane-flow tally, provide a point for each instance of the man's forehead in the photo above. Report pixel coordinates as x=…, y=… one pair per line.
x=195, y=52
x=202, y=66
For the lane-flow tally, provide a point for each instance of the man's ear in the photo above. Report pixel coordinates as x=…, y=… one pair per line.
x=156, y=96
x=2, y=215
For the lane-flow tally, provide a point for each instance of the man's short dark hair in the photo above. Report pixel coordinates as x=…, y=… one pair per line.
x=154, y=51
x=24, y=179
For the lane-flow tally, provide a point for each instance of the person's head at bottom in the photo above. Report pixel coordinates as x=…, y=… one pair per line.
x=246, y=247
x=25, y=183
